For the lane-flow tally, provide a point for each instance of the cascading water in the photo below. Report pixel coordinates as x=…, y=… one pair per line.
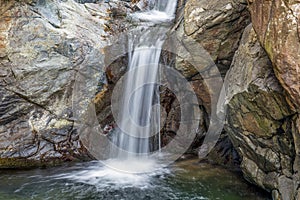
x=138, y=118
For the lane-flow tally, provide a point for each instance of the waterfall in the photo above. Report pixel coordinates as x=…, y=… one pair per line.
x=138, y=117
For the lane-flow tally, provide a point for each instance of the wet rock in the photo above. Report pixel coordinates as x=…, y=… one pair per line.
x=217, y=26
x=140, y=5
x=260, y=121
x=224, y=153
x=44, y=47
x=88, y=1
x=277, y=26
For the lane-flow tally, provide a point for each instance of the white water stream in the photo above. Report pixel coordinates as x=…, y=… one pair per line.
x=138, y=118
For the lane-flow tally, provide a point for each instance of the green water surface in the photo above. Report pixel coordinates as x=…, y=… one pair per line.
x=183, y=180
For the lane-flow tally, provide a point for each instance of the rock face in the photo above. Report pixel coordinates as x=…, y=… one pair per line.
x=217, y=26
x=43, y=46
x=262, y=86
x=260, y=121
x=277, y=26
x=46, y=46
x=263, y=118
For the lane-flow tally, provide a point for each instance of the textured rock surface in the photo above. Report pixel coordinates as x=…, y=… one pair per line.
x=223, y=31
x=277, y=25
x=217, y=26
x=43, y=46
x=260, y=121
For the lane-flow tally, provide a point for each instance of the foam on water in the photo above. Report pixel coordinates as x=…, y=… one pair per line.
x=117, y=173
x=163, y=11
x=131, y=165
x=153, y=16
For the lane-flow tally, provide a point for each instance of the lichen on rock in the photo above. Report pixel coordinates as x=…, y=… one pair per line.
x=259, y=119
x=44, y=46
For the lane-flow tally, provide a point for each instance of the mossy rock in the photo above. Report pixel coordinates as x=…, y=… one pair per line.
x=22, y=163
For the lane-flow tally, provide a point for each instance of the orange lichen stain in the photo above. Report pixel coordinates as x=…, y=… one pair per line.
x=109, y=74
x=5, y=21
x=134, y=1
x=6, y=8
x=100, y=96
x=106, y=28
x=107, y=18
